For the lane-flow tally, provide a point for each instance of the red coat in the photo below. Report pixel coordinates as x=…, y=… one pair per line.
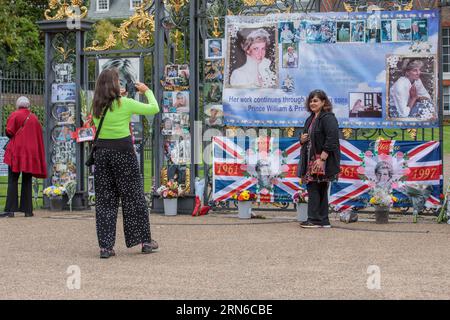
x=25, y=152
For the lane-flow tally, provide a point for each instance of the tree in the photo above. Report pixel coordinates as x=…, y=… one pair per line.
x=21, y=44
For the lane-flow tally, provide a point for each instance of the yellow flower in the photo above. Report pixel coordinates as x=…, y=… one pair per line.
x=372, y=200
x=246, y=196
x=395, y=199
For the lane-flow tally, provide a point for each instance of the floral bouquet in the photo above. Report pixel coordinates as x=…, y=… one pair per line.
x=301, y=196
x=170, y=190
x=382, y=197
x=244, y=196
x=419, y=194
x=54, y=191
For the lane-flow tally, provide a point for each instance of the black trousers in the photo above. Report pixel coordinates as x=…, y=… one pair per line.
x=318, y=202
x=117, y=177
x=26, y=193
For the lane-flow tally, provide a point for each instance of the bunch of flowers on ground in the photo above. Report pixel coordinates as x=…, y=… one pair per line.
x=170, y=190
x=54, y=191
x=301, y=196
x=382, y=197
x=244, y=196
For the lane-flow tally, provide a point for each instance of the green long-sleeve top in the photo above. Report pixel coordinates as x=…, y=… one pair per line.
x=117, y=122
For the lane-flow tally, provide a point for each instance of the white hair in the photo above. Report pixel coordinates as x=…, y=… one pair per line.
x=23, y=102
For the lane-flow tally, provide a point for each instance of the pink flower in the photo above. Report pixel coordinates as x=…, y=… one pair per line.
x=369, y=154
x=244, y=167
x=264, y=191
x=395, y=185
x=407, y=171
x=399, y=155
x=360, y=170
x=165, y=193
x=284, y=168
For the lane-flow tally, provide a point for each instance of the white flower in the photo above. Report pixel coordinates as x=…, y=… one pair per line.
x=233, y=31
x=392, y=61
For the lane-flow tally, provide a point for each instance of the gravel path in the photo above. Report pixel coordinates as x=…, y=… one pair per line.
x=221, y=257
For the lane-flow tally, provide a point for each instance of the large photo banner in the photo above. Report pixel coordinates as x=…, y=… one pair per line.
x=379, y=68
x=411, y=170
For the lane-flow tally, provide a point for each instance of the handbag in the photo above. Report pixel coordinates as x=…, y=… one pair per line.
x=6, y=145
x=320, y=171
x=91, y=159
x=23, y=124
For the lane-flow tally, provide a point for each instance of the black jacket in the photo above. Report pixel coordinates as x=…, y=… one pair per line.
x=324, y=137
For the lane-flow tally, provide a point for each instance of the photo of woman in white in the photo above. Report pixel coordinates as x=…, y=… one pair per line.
x=290, y=58
x=256, y=72
x=408, y=96
x=383, y=174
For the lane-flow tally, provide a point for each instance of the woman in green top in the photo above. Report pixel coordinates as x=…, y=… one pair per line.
x=116, y=173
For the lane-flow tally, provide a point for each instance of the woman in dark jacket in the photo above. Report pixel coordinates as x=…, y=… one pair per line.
x=319, y=157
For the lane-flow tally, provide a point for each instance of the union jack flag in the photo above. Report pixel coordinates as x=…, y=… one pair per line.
x=265, y=166
x=418, y=162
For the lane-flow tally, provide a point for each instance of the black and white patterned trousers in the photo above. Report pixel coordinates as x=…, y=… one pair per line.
x=117, y=177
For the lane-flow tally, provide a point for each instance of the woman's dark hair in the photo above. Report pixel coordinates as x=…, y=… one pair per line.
x=107, y=89
x=327, y=107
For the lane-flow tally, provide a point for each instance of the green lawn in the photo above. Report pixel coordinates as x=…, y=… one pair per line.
x=446, y=139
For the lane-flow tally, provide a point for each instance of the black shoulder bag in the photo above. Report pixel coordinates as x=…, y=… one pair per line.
x=90, y=160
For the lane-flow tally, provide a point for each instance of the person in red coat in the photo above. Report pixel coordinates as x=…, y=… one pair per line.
x=24, y=154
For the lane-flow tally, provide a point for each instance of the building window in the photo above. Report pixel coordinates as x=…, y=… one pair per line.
x=134, y=4
x=446, y=98
x=102, y=5
x=446, y=49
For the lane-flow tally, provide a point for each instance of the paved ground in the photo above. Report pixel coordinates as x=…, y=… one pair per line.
x=221, y=257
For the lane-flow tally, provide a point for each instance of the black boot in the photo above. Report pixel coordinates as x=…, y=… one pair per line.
x=105, y=253
x=149, y=247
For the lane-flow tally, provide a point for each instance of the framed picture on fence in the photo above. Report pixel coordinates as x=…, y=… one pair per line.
x=85, y=134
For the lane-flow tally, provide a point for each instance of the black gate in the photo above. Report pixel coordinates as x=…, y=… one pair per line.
x=166, y=32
